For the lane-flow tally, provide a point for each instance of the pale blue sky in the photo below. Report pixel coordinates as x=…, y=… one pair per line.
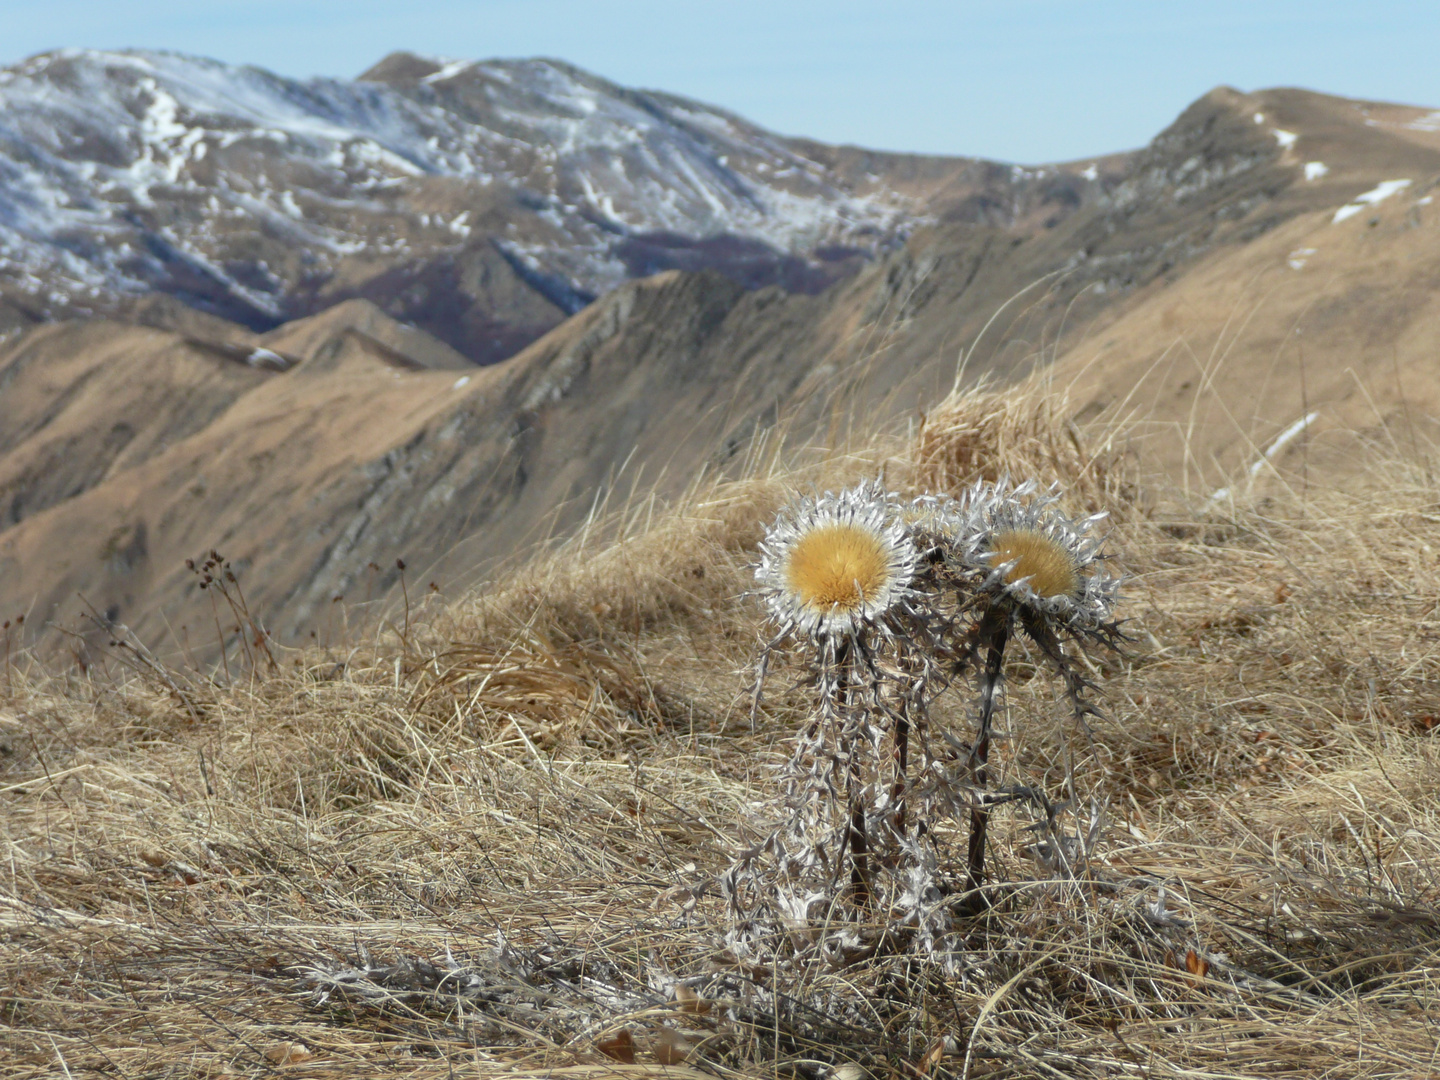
x=1017, y=80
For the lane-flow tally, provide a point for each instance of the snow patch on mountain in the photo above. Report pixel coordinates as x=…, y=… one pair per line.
x=1373, y=197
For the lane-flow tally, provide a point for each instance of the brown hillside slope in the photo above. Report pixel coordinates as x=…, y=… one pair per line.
x=356, y=331
x=81, y=402
x=1339, y=320
x=664, y=377
x=84, y=401
x=378, y=462
x=303, y=443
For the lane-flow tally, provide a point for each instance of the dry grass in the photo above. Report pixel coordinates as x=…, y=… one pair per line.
x=474, y=853
x=1022, y=432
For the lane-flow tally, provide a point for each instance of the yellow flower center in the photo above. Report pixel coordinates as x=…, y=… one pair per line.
x=1049, y=565
x=837, y=566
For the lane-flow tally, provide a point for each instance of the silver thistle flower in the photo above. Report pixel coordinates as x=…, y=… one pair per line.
x=1018, y=563
x=1034, y=558
x=836, y=564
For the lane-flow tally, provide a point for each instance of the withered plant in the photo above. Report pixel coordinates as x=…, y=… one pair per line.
x=887, y=605
x=1016, y=563
x=218, y=577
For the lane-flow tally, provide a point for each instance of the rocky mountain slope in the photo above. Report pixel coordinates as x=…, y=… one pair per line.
x=315, y=454
x=1279, y=359
x=483, y=202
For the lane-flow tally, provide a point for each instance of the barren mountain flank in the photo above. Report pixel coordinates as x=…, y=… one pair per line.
x=466, y=320
x=1286, y=349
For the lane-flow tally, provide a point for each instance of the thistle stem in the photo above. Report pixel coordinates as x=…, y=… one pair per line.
x=902, y=755
x=859, y=859
x=854, y=782
x=994, y=634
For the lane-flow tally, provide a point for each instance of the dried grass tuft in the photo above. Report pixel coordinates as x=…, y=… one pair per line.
x=1019, y=432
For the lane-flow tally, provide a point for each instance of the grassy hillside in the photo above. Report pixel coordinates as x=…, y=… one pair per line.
x=475, y=842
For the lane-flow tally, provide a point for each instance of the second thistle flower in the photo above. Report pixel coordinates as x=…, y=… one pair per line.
x=1032, y=557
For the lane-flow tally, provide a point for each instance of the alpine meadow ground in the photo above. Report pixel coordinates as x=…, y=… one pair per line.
x=495, y=842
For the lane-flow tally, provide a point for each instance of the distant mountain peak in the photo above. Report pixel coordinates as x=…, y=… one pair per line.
x=257, y=197
x=482, y=199
x=402, y=68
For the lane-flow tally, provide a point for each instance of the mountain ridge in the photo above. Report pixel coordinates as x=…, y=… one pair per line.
x=361, y=440
x=484, y=201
